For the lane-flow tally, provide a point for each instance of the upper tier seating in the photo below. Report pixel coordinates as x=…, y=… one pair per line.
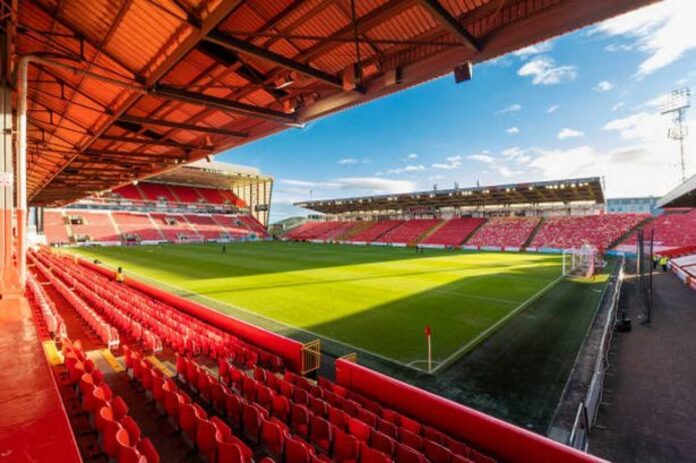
x=454, y=232
x=139, y=224
x=672, y=230
x=156, y=191
x=129, y=192
x=206, y=226
x=374, y=231
x=55, y=229
x=232, y=198
x=407, y=231
x=186, y=194
x=97, y=225
x=504, y=232
x=319, y=230
x=173, y=232
x=303, y=232
x=597, y=230
x=211, y=195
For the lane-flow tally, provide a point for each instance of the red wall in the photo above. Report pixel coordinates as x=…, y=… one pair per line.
x=485, y=433
x=288, y=349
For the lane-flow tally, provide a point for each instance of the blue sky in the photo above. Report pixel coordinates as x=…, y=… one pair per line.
x=584, y=104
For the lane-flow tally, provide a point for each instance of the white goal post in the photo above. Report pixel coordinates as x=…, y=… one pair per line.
x=580, y=261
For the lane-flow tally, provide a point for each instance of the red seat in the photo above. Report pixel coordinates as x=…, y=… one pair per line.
x=273, y=437
x=120, y=408
x=297, y=451
x=434, y=435
x=217, y=396
x=383, y=443
x=205, y=437
x=367, y=417
x=104, y=415
x=157, y=388
x=229, y=452
x=370, y=455
x=411, y=425
x=189, y=414
x=131, y=428
x=478, y=457
x=359, y=429
x=249, y=388
x=113, y=436
x=251, y=422
x=345, y=448
x=412, y=440
x=299, y=420
x=223, y=430
x=286, y=389
x=233, y=408
x=148, y=450
x=390, y=429
x=458, y=448
x=318, y=407
x=338, y=418
x=301, y=397
x=181, y=366
x=321, y=434
x=264, y=397
x=171, y=405
x=281, y=407
x=435, y=452
x=405, y=454
x=127, y=454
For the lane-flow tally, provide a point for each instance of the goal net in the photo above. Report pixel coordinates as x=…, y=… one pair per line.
x=579, y=261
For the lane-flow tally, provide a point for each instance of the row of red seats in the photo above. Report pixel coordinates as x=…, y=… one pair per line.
x=55, y=227
x=438, y=446
x=454, y=232
x=504, y=232
x=407, y=231
x=121, y=437
x=182, y=332
x=178, y=193
x=210, y=435
x=374, y=231
x=137, y=224
x=49, y=314
x=97, y=226
x=107, y=333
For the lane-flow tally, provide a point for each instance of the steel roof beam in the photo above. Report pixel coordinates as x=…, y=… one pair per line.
x=179, y=125
x=450, y=23
x=247, y=48
x=142, y=141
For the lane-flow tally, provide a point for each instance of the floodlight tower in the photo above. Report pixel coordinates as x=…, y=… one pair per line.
x=676, y=105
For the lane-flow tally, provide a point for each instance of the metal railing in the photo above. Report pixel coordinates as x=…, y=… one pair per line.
x=311, y=356
x=586, y=414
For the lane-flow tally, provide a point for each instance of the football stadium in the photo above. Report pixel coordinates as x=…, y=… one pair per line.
x=152, y=308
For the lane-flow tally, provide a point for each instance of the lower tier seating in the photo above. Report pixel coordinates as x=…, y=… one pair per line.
x=454, y=232
x=96, y=226
x=504, y=232
x=671, y=230
x=407, y=231
x=55, y=228
x=374, y=231
x=141, y=225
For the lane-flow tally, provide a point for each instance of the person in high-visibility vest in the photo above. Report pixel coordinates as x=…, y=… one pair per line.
x=663, y=262
x=119, y=275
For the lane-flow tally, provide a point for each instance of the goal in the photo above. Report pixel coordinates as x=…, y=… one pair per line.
x=579, y=261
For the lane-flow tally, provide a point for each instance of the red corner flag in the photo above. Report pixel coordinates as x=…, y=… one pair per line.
x=428, y=332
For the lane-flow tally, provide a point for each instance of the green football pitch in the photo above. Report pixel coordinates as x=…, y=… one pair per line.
x=377, y=299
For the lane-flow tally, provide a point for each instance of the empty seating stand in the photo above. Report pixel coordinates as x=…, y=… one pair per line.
x=55, y=228
x=453, y=232
x=129, y=192
x=98, y=226
x=671, y=230
x=374, y=231
x=130, y=223
x=407, y=231
x=186, y=194
x=504, y=232
x=156, y=192
x=206, y=226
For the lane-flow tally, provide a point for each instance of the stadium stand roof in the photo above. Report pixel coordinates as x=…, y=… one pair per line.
x=556, y=191
x=683, y=195
x=120, y=90
x=213, y=174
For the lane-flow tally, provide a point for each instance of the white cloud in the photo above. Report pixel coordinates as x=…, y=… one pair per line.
x=513, y=130
x=569, y=133
x=535, y=49
x=411, y=157
x=544, y=71
x=507, y=172
x=484, y=158
x=616, y=47
x=553, y=108
x=642, y=126
x=347, y=161
x=603, y=86
x=403, y=170
x=663, y=31
x=452, y=163
x=517, y=155
x=618, y=106
x=513, y=108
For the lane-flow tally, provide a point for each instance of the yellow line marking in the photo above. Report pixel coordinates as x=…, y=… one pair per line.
x=163, y=368
x=112, y=361
x=54, y=357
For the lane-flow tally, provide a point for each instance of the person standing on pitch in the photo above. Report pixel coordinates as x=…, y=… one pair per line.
x=224, y=249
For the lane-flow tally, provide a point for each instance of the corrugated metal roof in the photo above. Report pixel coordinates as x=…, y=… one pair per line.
x=273, y=63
